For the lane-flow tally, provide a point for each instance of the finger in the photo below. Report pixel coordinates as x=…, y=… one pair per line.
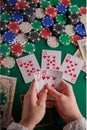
x=42, y=97
x=53, y=92
x=50, y=104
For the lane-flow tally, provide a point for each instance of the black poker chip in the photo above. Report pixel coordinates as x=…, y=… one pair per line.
x=74, y=18
x=29, y=19
x=7, y=8
x=3, y=26
x=33, y=5
x=58, y=29
x=28, y=11
x=34, y=36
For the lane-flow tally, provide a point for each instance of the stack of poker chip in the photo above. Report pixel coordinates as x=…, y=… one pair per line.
x=23, y=24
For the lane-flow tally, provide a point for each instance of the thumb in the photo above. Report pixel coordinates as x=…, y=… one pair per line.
x=42, y=97
x=53, y=92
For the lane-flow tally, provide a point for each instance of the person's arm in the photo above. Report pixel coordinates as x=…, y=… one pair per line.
x=32, y=104
x=66, y=106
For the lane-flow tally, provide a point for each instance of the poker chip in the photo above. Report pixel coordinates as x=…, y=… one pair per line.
x=61, y=18
x=28, y=11
x=52, y=42
x=45, y=3
x=65, y=39
x=6, y=17
x=14, y=26
x=20, y=5
x=9, y=37
x=17, y=49
x=36, y=25
x=29, y=19
x=83, y=19
x=73, y=9
x=22, y=38
x=61, y=8
x=29, y=48
x=1, y=60
x=33, y=4
x=54, y=2
x=45, y=33
x=80, y=30
x=74, y=18
x=17, y=16
x=4, y=50
x=3, y=26
x=75, y=39
x=7, y=8
x=66, y=2
x=34, y=36
x=1, y=3
x=47, y=21
x=83, y=10
x=69, y=29
x=8, y=62
x=51, y=11
x=12, y=2
x=36, y=1
x=25, y=27
x=58, y=29
x=1, y=38
x=3, y=98
x=40, y=13
x=4, y=71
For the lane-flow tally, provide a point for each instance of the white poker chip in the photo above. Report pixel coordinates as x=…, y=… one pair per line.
x=1, y=38
x=83, y=19
x=22, y=38
x=69, y=29
x=40, y=13
x=8, y=62
x=52, y=42
x=25, y=27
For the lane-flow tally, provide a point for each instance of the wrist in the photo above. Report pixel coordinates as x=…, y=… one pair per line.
x=29, y=125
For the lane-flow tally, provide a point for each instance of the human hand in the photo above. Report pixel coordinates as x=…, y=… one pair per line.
x=34, y=107
x=65, y=101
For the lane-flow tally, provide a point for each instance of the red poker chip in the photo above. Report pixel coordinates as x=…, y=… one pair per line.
x=14, y=26
x=17, y=49
x=1, y=60
x=1, y=3
x=20, y=5
x=83, y=10
x=45, y=33
x=66, y=2
x=36, y=1
x=75, y=38
x=51, y=11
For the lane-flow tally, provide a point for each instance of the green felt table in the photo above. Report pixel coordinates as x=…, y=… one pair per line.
x=52, y=120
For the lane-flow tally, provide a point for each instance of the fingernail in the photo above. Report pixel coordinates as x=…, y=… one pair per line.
x=45, y=91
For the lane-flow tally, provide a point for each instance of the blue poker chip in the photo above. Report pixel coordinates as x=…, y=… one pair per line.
x=47, y=22
x=0, y=10
x=12, y=2
x=17, y=16
x=80, y=30
x=61, y=8
x=9, y=37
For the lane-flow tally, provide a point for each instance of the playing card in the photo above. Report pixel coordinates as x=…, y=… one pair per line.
x=50, y=77
x=71, y=68
x=82, y=46
x=51, y=60
x=79, y=55
x=28, y=65
x=7, y=91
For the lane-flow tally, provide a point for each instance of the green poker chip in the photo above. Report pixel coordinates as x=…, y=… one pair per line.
x=4, y=71
x=61, y=18
x=54, y=2
x=36, y=25
x=73, y=9
x=3, y=98
x=29, y=48
x=6, y=17
x=45, y=3
x=65, y=39
x=4, y=50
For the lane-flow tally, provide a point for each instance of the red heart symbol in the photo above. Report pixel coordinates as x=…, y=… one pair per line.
x=29, y=61
x=31, y=64
x=27, y=70
x=69, y=70
x=53, y=60
x=71, y=65
x=48, y=64
x=38, y=70
x=65, y=71
x=53, y=64
x=48, y=60
x=24, y=63
x=74, y=75
x=54, y=57
x=70, y=73
x=48, y=56
x=75, y=64
x=47, y=67
x=52, y=85
x=28, y=64
x=44, y=57
x=67, y=60
x=48, y=77
x=43, y=77
x=21, y=65
x=29, y=74
x=73, y=69
x=70, y=61
x=57, y=68
x=33, y=68
x=54, y=78
x=68, y=67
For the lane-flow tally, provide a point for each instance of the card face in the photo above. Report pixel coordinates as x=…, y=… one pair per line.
x=49, y=77
x=7, y=91
x=51, y=60
x=71, y=68
x=28, y=65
